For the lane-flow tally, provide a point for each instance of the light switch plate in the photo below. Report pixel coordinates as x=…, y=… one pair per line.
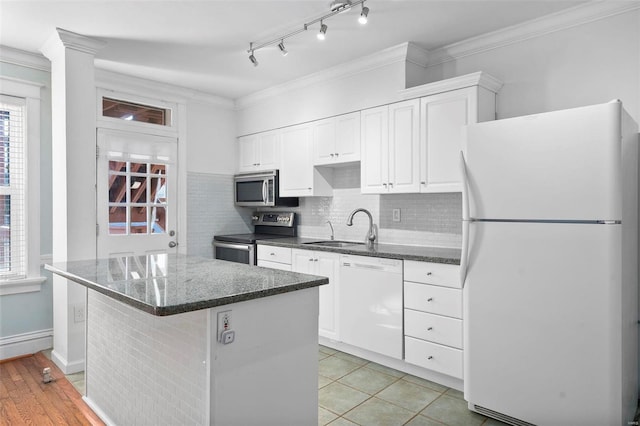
x=396, y=215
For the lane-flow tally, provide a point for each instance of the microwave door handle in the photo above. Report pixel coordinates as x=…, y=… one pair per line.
x=264, y=191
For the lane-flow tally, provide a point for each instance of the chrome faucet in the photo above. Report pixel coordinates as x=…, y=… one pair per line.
x=371, y=235
x=331, y=226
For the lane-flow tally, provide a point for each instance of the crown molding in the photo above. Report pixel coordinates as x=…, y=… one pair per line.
x=122, y=82
x=402, y=52
x=23, y=58
x=480, y=78
x=564, y=19
x=70, y=40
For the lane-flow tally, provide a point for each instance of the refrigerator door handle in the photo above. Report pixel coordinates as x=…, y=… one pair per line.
x=465, y=220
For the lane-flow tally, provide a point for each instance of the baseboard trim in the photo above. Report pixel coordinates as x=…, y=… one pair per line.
x=65, y=366
x=25, y=343
x=103, y=416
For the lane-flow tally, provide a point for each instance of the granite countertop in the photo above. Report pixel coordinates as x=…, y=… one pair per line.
x=391, y=251
x=168, y=284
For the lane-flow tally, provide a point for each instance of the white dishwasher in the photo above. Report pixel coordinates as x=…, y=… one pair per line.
x=371, y=304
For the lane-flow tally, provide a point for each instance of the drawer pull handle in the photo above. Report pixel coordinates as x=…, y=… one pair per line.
x=430, y=299
x=429, y=274
x=272, y=254
x=430, y=328
x=430, y=357
x=310, y=259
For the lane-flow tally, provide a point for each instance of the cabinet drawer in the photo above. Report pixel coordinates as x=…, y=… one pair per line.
x=274, y=265
x=433, y=299
x=432, y=273
x=442, y=359
x=434, y=328
x=274, y=254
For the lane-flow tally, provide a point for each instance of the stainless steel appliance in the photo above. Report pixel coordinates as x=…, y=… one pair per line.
x=241, y=248
x=260, y=189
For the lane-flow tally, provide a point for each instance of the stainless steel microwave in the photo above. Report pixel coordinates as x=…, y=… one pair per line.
x=260, y=189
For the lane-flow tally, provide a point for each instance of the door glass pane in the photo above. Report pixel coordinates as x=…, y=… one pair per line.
x=158, y=220
x=138, y=220
x=117, y=220
x=117, y=189
x=138, y=168
x=158, y=169
x=159, y=190
x=5, y=233
x=138, y=189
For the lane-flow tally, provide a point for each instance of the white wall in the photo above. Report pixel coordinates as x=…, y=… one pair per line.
x=582, y=65
x=211, y=136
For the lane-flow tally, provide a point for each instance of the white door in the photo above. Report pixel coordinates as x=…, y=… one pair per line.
x=324, y=141
x=247, y=150
x=296, y=162
x=404, y=146
x=348, y=137
x=541, y=304
x=327, y=265
x=557, y=165
x=374, y=167
x=268, y=148
x=136, y=194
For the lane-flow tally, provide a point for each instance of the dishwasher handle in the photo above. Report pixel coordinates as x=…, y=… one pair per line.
x=363, y=265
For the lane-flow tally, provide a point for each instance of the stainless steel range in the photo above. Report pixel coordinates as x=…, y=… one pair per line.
x=241, y=248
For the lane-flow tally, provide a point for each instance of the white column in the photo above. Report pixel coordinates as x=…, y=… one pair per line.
x=73, y=107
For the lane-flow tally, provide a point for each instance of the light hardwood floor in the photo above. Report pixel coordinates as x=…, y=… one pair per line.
x=26, y=400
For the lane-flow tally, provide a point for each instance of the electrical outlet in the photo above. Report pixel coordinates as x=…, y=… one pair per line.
x=78, y=313
x=396, y=215
x=224, y=324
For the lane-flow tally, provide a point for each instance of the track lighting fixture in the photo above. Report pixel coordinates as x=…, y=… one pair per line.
x=282, y=49
x=322, y=32
x=363, y=15
x=337, y=6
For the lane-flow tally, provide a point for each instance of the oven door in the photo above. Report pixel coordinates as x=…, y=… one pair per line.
x=235, y=252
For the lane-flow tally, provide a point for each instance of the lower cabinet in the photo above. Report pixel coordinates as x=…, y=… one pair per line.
x=433, y=317
x=274, y=257
x=327, y=265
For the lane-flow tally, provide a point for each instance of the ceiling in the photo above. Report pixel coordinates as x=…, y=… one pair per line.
x=203, y=44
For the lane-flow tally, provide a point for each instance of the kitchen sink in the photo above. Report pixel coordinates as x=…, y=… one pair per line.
x=334, y=243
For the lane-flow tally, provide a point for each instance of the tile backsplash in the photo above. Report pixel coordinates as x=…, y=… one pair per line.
x=425, y=219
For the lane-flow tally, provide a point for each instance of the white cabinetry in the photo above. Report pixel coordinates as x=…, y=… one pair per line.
x=259, y=151
x=390, y=148
x=274, y=257
x=442, y=120
x=298, y=177
x=336, y=140
x=327, y=265
x=433, y=317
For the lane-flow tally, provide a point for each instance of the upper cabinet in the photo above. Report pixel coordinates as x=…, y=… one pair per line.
x=298, y=177
x=390, y=148
x=442, y=120
x=259, y=151
x=336, y=140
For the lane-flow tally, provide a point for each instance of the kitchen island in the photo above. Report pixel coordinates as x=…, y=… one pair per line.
x=153, y=353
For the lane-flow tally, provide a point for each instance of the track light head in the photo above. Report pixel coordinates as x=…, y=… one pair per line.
x=340, y=6
x=253, y=59
x=282, y=49
x=363, y=15
x=323, y=31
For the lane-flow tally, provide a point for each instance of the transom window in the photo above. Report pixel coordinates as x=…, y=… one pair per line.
x=131, y=111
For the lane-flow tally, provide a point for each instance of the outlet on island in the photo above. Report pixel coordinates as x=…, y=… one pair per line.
x=225, y=334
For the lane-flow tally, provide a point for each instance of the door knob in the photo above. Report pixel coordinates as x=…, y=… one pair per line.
x=172, y=244
x=172, y=233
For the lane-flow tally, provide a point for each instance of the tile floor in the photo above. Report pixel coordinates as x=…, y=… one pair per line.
x=354, y=391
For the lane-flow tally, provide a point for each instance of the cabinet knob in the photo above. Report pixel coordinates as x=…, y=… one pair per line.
x=430, y=328
x=337, y=154
x=423, y=183
x=390, y=184
x=331, y=155
x=430, y=299
x=309, y=188
x=310, y=259
x=315, y=260
x=384, y=184
x=429, y=274
x=272, y=254
x=430, y=357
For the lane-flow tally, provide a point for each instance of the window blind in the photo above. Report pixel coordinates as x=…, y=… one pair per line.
x=13, y=233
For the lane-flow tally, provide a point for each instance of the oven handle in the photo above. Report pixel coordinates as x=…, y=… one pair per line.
x=243, y=247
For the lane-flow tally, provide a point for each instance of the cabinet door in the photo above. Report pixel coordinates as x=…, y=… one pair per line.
x=404, y=146
x=327, y=265
x=374, y=168
x=443, y=117
x=296, y=162
x=267, y=147
x=347, y=137
x=302, y=261
x=247, y=153
x=324, y=141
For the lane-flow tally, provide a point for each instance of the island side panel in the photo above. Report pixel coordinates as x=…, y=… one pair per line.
x=269, y=374
x=145, y=369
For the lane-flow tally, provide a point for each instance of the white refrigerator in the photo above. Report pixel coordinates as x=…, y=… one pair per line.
x=550, y=267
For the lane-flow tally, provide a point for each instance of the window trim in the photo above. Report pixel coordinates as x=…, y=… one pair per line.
x=30, y=91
